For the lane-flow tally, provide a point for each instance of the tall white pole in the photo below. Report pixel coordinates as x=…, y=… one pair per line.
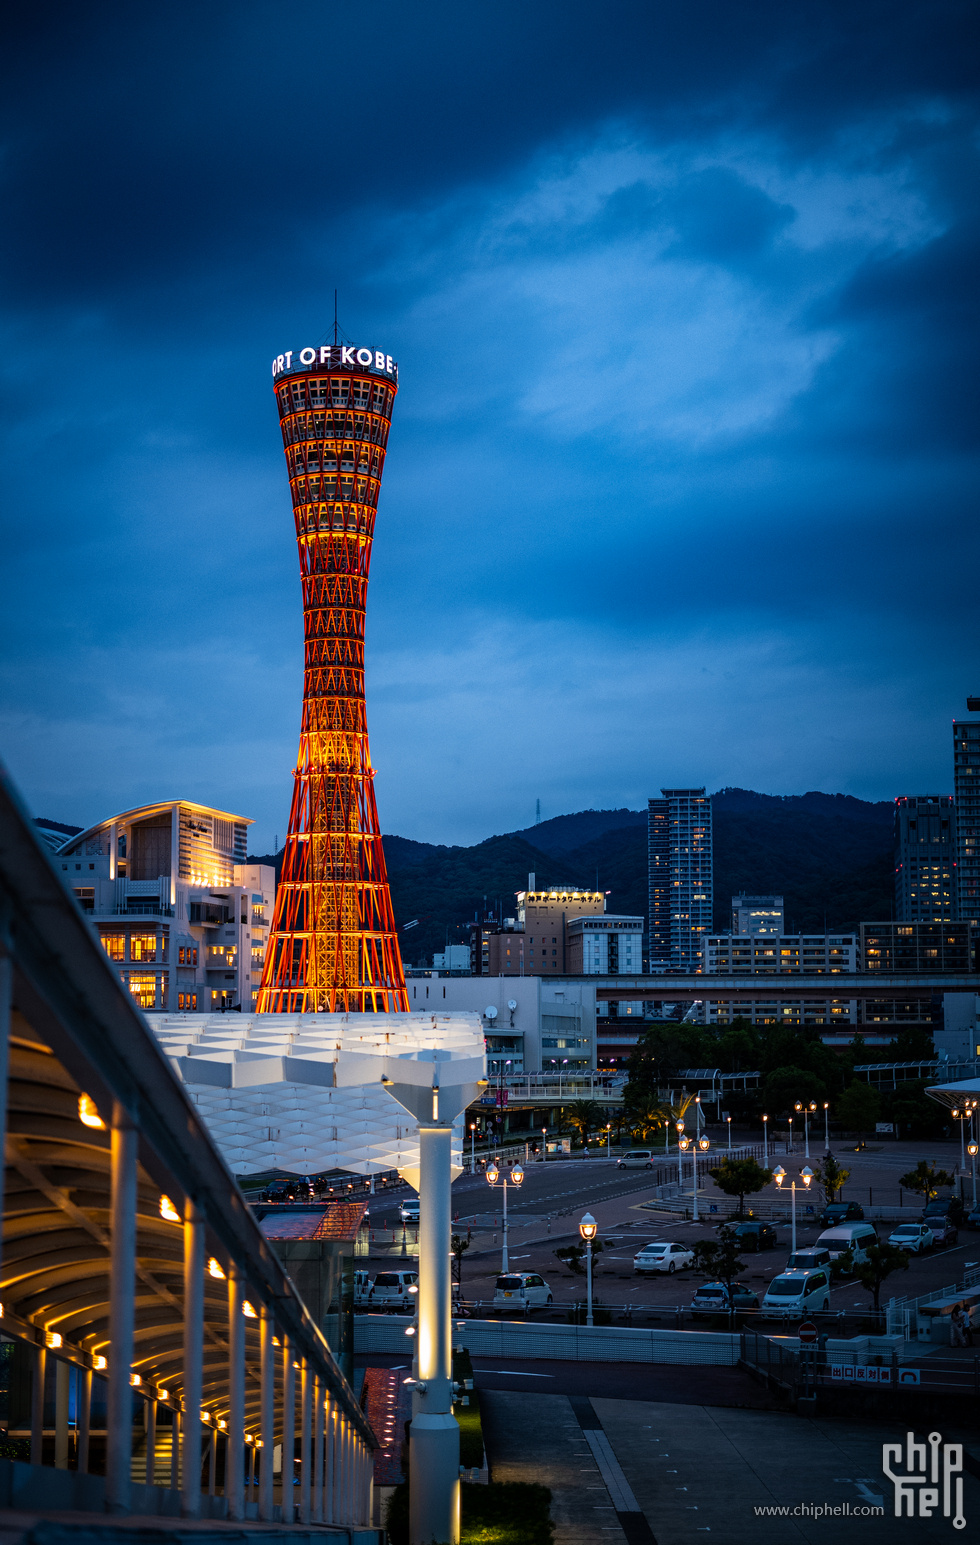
x=434, y=1496
x=695, y=1160
x=793, y=1216
x=588, y=1268
x=826, y=1126
x=806, y=1133
x=765, y=1142
x=505, y=1259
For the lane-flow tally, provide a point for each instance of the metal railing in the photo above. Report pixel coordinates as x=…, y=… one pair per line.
x=167, y=1290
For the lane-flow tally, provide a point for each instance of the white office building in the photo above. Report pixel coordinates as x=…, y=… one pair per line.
x=531, y=1024
x=178, y=909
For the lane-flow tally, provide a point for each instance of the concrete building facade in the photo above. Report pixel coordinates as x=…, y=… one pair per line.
x=925, y=859
x=179, y=911
x=757, y=915
x=785, y=954
x=536, y=1025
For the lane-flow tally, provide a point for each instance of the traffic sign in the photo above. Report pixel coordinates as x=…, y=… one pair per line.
x=808, y=1332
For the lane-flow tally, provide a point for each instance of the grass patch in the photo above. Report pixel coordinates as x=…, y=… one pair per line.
x=468, y=1416
x=508, y=1513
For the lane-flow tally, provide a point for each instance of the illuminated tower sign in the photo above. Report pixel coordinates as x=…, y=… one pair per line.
x=333, y=944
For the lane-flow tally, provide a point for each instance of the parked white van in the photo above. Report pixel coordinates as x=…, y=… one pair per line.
x=636, y=1158
x=848, y=1236
x=797, y=1292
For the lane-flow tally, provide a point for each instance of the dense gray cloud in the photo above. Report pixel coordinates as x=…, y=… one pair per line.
x=682, y=480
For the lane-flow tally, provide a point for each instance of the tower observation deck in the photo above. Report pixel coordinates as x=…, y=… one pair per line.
x=333, y=945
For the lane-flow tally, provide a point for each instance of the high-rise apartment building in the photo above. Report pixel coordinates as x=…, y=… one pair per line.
x=757, y=915
x=966, y=792
x=680, y=879
x=925, y=853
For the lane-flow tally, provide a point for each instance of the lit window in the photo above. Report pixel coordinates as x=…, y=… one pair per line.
x=143, y=946
x=114, y=945
x=143, y=988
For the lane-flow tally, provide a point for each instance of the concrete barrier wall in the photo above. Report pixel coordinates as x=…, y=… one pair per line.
x=567, y=1343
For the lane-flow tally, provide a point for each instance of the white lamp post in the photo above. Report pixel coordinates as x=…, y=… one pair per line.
x=826, y=1126
x=681, y=1145
x=434, y=1088
x=704, y=1144
x=779, y=1175
x=790, y=1149
x=765, y=1141
x=472, y=1147
x=494, y=1178
x=808, y=1111
x=608, y=1138
x=587, y=1228
x=973, y=1148
x=544, y=1145
x=729, y=1121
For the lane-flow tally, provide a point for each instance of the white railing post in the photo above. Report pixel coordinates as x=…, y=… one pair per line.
x=235, y=1441
x=305, y=1440
x=38, y=1377
x=190, y=1490
x=267, y=1417
x=288, y=1432
x=122, y=1311
x=317, y=1504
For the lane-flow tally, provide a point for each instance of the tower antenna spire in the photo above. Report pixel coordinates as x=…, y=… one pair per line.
x=335, y=316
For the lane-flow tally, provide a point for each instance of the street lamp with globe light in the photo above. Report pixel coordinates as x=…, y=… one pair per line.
x=588, y=1228
x=779, y=1175
x=807, y=1111
x=495, y=1178
x=765, y=1141
x=973, y=1148
x=826, y=1126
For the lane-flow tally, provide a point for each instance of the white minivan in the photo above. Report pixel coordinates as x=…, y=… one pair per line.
x=795, y=1292
x=636, y=1158
x=848, y=1236
x=520, y=1290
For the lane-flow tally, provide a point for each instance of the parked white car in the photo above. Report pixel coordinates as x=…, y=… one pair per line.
x=408, y=1211
x=797, y=1292
x=662, y=1256
x=515, y=1289
x=913, y=1237
x=393, y=1290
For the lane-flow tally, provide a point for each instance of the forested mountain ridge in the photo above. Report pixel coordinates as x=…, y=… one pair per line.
x=829, y=855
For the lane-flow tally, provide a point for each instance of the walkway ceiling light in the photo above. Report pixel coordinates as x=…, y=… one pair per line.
x=215, y=1269
x=248, y=1311
x=88, y=1115
x=53, y=1340
x=168, y=1210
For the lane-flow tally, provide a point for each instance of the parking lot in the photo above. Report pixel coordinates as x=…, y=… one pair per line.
x=544, y=1217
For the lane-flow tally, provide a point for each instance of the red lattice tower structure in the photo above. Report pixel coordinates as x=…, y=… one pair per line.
x=333, y=944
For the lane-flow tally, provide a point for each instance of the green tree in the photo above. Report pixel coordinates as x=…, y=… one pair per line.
x=459, y=1246
x=720, y=1262
x=926, y=1180
x=830, y=1177
x=573, y=1256
x=858, y=1108
x=741, y=1178
x=583, y=1116
x=882, y=1260
x=785, y=1085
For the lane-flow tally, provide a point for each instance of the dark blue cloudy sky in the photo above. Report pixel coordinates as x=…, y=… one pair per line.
x=682, y=482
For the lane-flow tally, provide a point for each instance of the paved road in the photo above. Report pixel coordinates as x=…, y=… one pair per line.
x=652, y=1473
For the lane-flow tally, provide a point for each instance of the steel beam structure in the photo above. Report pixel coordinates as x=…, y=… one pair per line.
x=333, y=945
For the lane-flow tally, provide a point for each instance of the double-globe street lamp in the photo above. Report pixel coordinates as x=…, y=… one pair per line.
x=973, y=1148
x=963, y=1113
x=683, y=1144
x=807, y=1111
x=779, y=1175
x=495, y=1178
x=588, y=1228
